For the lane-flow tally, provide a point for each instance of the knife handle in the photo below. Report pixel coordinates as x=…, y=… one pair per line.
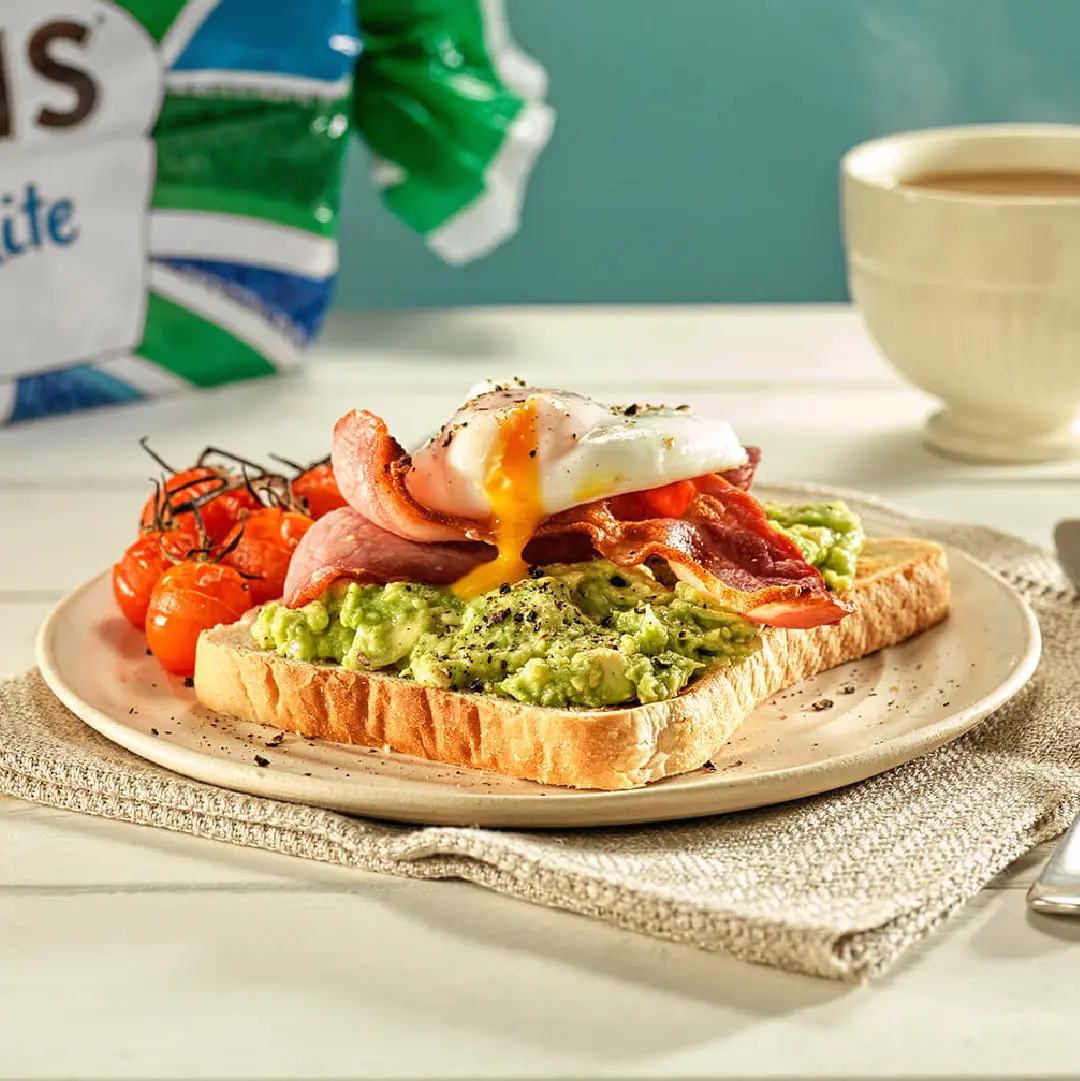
x=1057, y=889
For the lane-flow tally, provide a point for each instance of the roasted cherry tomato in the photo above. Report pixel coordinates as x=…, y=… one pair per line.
x=222, y=513
x=179, y=488
x=668, y=501
x=268, y=539
x=318, y=489
x=218, y=514
x=188, y=599
x=140, y=567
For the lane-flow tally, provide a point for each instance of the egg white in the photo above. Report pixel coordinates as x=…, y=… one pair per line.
x=584, y=450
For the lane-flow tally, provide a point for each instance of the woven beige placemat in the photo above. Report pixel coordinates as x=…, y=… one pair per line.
x=838, y=885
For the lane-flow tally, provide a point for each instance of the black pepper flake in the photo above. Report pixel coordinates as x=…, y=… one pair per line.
x=501, y=616
x=148, y=653
x=132, y=710
x=944, y=703
x=153, y=731
x=532, y=453
x=188, y=681
x=518, y=617
x=738, y=762
x=276, y=741
x=848, y=688
x=504, y=588
x=168, y=732
x=821, y=704
x=630, y=410
x=710, y=767
x=260, y=761
x=476, y=686
x=618, y=581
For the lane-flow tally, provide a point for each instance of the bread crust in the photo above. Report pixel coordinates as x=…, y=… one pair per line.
x=901, y=589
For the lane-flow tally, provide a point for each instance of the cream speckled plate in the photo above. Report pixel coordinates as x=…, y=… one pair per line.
x=884, y=710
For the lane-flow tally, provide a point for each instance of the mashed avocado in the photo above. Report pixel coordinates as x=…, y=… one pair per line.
x=585, y=634
x=582, y=634
x=829, y=535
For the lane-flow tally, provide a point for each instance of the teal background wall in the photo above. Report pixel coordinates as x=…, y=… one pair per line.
x=695, y=153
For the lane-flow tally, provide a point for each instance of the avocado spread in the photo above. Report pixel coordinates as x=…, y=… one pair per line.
x=584, y=634
x=829, y=535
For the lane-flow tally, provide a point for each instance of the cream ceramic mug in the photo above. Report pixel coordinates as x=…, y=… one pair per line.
x=975, y=298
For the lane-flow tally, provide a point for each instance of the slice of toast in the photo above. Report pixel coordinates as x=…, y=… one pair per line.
x=901, y=588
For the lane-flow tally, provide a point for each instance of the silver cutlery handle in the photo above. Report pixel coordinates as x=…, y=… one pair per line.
x=1057, y=890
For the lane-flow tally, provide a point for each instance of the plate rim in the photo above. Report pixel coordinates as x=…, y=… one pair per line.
x=651, y=803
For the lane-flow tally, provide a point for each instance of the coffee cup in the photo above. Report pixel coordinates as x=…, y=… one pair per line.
x=963, y=258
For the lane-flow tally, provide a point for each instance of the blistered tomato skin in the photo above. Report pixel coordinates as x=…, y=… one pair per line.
x=219, y=514
x=188, y=599
x=140, y=568
x=319, y=490
x=264, y=550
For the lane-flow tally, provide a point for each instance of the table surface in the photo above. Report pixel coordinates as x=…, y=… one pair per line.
x=134, y=953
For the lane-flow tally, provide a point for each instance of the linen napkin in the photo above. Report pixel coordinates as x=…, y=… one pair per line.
x=838, y=885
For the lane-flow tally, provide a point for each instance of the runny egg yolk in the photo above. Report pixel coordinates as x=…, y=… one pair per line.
x=512, y=487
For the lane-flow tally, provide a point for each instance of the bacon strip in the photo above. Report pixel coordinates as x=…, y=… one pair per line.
x=345, y=544
x=741, y=476
x=370, y=467
x=725, y=546
x=753, y=571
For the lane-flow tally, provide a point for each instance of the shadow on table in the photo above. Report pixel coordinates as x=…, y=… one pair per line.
x=1061, y=928
x=1009, y=934
x=689, y=983
x=897, y=458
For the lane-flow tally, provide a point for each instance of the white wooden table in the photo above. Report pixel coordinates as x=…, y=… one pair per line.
x=131, y=953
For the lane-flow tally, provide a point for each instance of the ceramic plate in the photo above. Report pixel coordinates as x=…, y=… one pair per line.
x=884, y=710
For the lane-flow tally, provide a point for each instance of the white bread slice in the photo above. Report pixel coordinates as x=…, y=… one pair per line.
x=901, y=588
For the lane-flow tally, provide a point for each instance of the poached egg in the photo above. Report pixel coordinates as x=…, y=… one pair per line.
x=514, y=455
